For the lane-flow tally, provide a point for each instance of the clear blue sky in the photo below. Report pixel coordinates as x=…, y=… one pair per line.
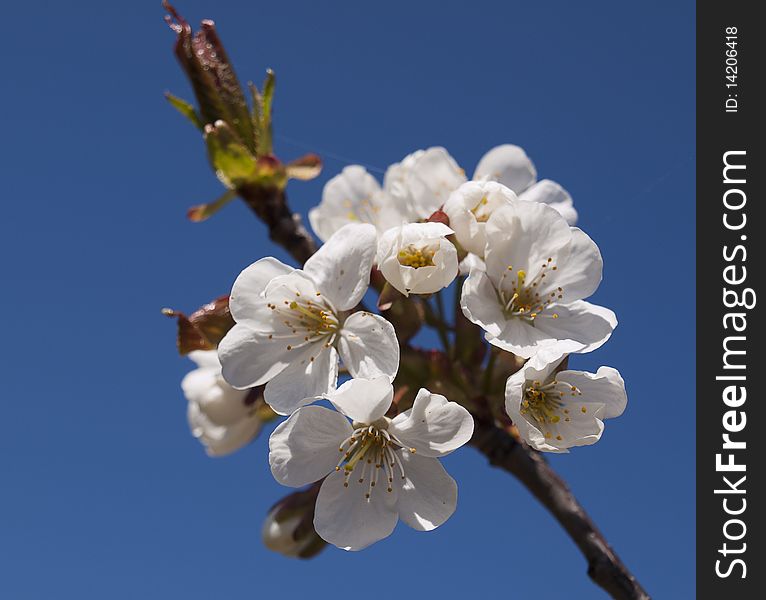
x=104, y=492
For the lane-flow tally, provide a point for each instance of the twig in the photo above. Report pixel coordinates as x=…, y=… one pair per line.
x=604, y=566
x=285, y=227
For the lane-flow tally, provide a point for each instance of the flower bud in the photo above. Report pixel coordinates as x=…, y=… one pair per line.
x=289, y=527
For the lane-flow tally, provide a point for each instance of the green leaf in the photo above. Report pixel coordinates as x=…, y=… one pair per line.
x=201, y=212
x=186, y=109
x=233, y=163
x=255, y=116
x=265, y=143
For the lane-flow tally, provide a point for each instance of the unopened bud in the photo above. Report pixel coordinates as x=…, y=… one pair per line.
x=289, y=526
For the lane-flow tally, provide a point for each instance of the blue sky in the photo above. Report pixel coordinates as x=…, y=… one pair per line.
x=106, y=495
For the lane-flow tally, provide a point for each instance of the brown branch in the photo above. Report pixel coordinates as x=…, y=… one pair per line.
x=604, y=566
x=503, y=451
x=285, y=227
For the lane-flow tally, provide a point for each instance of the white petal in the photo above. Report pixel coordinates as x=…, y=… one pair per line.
x=368, y=346
x=219, y=402
x=303, y=380
x=434, y=426
x=579, y=274
x=523, y=235
x=220, y=440
x=205, y=359
x=469, y=207
x=551, y=193
x=587, y=325
x=524, y=339
x=304, y=448
x=480, y=305
x=345, y=518
x=582, y=429
x=341, y=267
x=346, y=198
x=363, y=400
x=246, y=298
x=471, y=261
x=509, y=165
x=250, y=358
x=265, y=313
x=440, y=172
x=420, y=236
x=424, y=179
x=429, y=495
x=605, y=387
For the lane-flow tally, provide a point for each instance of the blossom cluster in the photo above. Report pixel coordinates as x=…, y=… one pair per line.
x=303, y=336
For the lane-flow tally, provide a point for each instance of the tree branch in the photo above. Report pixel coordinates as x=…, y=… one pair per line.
x=285, y=227
x=503, y=451
x=604, y=566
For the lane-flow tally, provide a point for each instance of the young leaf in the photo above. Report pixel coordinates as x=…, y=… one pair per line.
x=304, y=168
x=204, y=328
x=186, y=109
x=202, y=212
x=233, y=163
x=265, y=144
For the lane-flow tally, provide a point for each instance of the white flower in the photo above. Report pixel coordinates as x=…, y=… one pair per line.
x=218, y=415
x=413, y=189
x=378, y=470
x=510, y=165
x=554, y=411
x=529, y=296
x=423, y=181
x=469, y=208
x=417, y=258
x=354, y=196
x=291, y=325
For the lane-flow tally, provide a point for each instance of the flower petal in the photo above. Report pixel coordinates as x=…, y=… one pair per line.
x=424, y=179
x=346, y=198
x=220, y=440
x=434, y=426
x=304, y=379
x=582, y=429
x=217, y=400
x=413, y=238
x=345, y=518
x=522, y=236
x=605, y=387
x=428, y=496
x=304, y=448
x=246, y=298
x=250, y=358
x=586, y=325
x=509, y=165
x=441, y=174
x=523, y=339
x=368, y=346
x=341, y=267
x=363, y=400
x=579, y=274
x=551, y=193
x=470, y=206
x=479, y=303
x=205, y=359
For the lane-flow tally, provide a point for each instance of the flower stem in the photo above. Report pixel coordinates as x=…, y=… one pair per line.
x=488, y=371
x=441, y=326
